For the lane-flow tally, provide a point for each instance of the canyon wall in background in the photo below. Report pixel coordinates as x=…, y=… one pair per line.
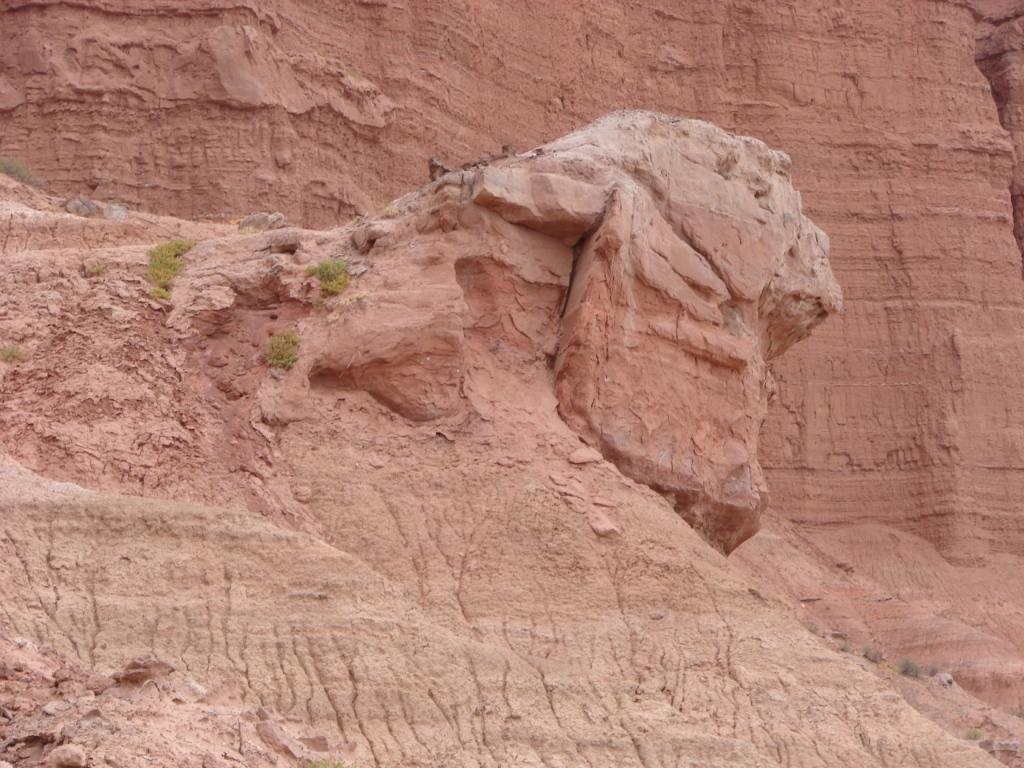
x=895, y=448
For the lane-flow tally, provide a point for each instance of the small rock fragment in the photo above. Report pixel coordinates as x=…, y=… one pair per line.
x=68, y=756
x=944, y=679
x=81, y=206
x=603, y=525
x=275, y=738
x=54, y=708
x=584, y=455
x=285, y=241
x=367, y=234
x=92, y=718
x=260, y=222
x=115, y=211
x=437, y=168
x=189, y=690
x=98, y=683
x=315, y=743
x=143, y=668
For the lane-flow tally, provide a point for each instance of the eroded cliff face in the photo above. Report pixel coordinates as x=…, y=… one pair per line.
x=893, y=438
x=1000, y=56
x=194, y=108
x=418, y=555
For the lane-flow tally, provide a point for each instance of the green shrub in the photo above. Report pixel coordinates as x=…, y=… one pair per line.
x=873, y=655
x=282, y=349
x=16, y=168
x=390, y=212
x=159, y=293
x=95, y=269
x=165, y=262
x=910, y=668
x=12, y=354
x=332, y=275
x=974, y=734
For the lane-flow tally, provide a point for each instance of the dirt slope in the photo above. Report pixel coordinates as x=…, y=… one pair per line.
x=55, y=712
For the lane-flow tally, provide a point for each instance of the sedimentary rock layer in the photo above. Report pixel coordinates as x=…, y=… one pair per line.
x=892, y=422
x=443, y=572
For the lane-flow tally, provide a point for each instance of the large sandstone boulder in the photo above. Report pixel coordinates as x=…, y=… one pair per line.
x=655, y=263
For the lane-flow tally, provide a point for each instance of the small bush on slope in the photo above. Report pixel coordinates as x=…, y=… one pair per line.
x=165, y=263
x=12, y=354
x=910, y=668
x=282, y=349
x=17, y=169
x=332, y=275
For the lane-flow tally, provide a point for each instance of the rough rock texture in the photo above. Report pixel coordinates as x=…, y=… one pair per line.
x=444, y=574
x=418, y=652
x=893, y=417
x=195, y=108
x=1000, y=56
x=894, y=430
x=54, y=712
x=698, y=266
x=656, y=265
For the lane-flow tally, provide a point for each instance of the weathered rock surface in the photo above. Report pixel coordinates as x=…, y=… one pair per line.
x=52, y=714
x=410, y=654
x=890, y=441
x=671, y=260
x=431, y=580
x=890, y=423
x=261, y=221
x=1000, y=56
x=653, y=303
x=196, y=108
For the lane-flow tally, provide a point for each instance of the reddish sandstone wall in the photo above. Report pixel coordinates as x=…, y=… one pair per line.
x=900, y=416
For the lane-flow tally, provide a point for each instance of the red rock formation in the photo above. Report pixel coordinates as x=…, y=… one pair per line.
x=472, y=585
x=192, y=108
x=892, y=430
x=677, y=260
x=1000, y=57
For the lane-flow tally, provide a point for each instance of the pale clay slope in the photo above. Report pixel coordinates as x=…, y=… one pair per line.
x=140, y=715
x=442, y=573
